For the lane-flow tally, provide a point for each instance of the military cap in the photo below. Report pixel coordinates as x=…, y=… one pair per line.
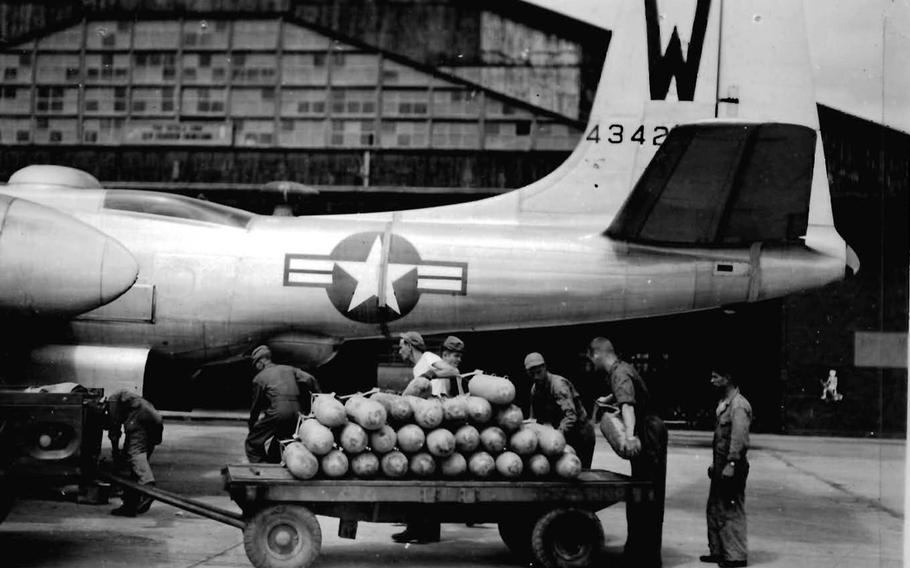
x=414, y=339
x=261, y=352
x=533, y=360
x=452, y=343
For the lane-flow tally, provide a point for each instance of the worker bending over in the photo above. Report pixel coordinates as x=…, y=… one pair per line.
x=276, y=405
x=555, y=401
x=143, y=427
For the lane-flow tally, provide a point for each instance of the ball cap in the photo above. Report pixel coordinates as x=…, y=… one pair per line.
x=533, y=360
x=415, y=339
x=260, y=352
x=452, y=343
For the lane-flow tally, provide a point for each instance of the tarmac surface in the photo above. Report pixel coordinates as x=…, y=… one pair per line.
x=811, y=502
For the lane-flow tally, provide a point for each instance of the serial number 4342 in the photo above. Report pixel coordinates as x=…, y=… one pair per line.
x=617, y=134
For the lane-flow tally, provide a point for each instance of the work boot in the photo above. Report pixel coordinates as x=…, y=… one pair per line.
x=128, y=508
x=418, y=534
x=710, y=558
x=145, y=501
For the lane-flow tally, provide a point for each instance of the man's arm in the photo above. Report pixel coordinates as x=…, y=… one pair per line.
x=256, y=406
x=628, y=419
x=308, y=380
x=562, y=395
x=441, y=370
x=739, y=433
x=114, y=436
x=623, y=388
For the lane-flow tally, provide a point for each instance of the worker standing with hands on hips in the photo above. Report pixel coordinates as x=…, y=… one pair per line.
x=645, y=519
x=726, y=513
x=275, y=405
x=555, y=401
x=143, y=427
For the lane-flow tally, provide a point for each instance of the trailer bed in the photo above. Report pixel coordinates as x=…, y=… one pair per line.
x=551, y=521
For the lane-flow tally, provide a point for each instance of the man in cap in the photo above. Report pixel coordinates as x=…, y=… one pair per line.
x=444, y=375
x=413, y=350
x=725, y=512
x=555, y=401
x=143, y=427
x=275, y=405
x=432, y=375
x=645, y=519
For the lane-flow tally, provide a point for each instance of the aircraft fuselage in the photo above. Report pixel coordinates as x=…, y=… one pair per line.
x=206, y=290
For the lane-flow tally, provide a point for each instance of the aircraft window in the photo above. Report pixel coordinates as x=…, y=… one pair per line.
x=721, y=185
x=176, y=206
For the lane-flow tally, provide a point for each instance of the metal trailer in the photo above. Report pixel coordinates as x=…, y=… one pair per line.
x=552, y=522
x=49, y=445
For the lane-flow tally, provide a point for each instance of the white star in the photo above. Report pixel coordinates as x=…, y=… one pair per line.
x=368, y=273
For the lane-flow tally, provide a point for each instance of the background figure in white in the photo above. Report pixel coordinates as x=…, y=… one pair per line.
x=829, y=387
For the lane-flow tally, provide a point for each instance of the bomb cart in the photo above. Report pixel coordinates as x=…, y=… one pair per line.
x=50, y=441
x=552, y=522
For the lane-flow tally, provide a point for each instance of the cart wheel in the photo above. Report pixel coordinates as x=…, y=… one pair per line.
x=567, y=538
x=516, y=533
x=282, y=536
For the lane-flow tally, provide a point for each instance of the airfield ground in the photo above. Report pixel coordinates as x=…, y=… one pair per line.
x=811, y=502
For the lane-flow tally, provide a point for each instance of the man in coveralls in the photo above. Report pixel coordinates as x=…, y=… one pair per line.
x=276, y=396
x=143, y=427
x=726, y=513
x=555, y=401
x=645, y=519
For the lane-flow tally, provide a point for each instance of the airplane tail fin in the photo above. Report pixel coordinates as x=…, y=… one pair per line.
x=674, y=63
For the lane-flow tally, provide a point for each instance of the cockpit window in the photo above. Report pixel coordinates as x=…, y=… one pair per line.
x=176, y=206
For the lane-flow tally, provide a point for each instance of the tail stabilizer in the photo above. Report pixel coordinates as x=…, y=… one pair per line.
x=723, y=184
x=670, y=63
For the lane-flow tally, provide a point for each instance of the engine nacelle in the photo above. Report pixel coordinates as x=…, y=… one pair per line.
x=303, y=350
x=53, y=264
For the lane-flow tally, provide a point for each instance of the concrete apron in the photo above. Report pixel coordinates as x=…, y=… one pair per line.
x=811, y=502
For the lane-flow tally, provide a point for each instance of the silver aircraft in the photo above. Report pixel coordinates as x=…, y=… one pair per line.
x=699, y=182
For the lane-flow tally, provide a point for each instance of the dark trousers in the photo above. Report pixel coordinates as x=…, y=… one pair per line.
x=726, y=514
x=277, y=426
x=582, y=439
x=646, y=519
x=139, y=447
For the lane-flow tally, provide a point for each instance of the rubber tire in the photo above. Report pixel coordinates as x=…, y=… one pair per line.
x=282, y=521
x=516, y=534
x=567, y=538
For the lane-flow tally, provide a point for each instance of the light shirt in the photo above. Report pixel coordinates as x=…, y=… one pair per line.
x=424, y=364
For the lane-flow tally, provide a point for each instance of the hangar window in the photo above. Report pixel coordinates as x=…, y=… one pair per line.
x=175, y=206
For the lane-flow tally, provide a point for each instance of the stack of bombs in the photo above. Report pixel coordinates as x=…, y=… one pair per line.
x=479, y=436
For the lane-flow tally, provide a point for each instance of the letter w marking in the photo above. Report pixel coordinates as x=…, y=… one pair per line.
x=664, y=66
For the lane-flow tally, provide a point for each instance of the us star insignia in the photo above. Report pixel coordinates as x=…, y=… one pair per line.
x=375, y=277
